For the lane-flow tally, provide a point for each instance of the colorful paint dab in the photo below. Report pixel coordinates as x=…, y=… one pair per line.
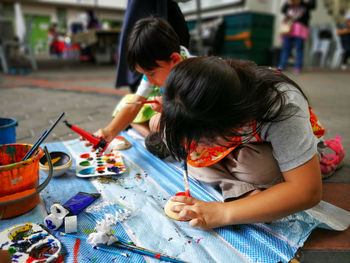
x=100, y=164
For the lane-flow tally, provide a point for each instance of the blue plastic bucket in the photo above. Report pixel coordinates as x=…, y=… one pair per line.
x=7, y=130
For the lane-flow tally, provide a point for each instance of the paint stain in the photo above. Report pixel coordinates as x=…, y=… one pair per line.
x=84, y=163
x=199, y=239
x=89, y=231
x=76, y=250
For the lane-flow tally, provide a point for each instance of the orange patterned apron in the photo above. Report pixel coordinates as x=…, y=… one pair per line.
x=202, y=156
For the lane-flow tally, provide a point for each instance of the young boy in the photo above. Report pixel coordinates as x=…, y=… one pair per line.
x=153, y=50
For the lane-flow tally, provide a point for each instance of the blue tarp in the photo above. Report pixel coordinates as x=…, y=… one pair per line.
x=143, y=190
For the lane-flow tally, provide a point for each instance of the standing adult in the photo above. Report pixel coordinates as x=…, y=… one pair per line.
x=344, y=33
x=137, y=9
x=297, y=15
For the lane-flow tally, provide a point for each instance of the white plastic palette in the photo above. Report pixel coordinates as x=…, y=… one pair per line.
x=30, y=243
x=96, y=164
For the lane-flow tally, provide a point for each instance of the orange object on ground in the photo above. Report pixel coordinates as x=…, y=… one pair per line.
x=18, y=179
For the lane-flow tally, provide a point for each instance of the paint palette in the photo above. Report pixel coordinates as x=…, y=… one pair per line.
x=99, y=164
x=30, y=243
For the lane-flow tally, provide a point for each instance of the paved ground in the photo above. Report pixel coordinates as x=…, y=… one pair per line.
x=86, y=94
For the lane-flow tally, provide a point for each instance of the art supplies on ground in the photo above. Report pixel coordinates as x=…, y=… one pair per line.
x=70, y=208
x=30, y=243
x=99, y=164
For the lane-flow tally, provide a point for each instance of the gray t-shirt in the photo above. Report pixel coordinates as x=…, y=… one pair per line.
x=293, y=141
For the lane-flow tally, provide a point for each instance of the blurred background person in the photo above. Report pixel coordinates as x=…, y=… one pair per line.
x=344, y=33
x=295, y=30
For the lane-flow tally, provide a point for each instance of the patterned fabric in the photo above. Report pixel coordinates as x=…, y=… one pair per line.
x=202, y=156
x=317, y=128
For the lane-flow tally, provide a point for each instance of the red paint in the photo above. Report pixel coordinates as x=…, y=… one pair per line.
x=189, y=241
x=76, y=249
x=157, y=256
x=30, y=259
x=187, y=193
x=85, y=155
x=199, y=239
x=180, y=194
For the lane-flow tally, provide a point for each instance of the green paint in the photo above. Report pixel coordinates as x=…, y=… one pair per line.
x=84, y=163
x=89, y=231
x=12, y=251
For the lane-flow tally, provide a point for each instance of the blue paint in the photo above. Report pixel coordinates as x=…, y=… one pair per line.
x=50, y=225
x=80, y=201
x=6, y=243
x=87, y=171
x=114, y=169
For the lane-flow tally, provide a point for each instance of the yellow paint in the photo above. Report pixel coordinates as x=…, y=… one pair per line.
x=54, y=161
x=26, y=227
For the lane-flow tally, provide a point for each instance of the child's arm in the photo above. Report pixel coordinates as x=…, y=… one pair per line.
x=301, y=190
x=124, y=117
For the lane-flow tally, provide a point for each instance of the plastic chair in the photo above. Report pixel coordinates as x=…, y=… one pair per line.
x=7, y=42
x=212, y=35
x=319, y=47
x=338, y=49
x=5, y=34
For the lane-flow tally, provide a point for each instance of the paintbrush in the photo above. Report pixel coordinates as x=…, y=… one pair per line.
x=144, y=102
x=41, y=139
x=185, y=173
x=146, y=252
x=99, y=248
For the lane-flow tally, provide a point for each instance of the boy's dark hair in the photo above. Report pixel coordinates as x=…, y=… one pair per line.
x=151, y=39
x=205, y=97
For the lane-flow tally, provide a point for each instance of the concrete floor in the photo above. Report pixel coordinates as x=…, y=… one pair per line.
x=86, y=94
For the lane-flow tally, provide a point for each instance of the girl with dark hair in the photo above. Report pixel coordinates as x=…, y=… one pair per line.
x=247, y=131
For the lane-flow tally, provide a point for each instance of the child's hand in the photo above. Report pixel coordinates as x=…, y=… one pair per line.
x=157, y=106
x=204, y=215
x=100, y=133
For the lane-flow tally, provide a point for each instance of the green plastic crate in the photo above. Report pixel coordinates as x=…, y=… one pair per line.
x=240, y=45
x=255, y=33
x=249, y=20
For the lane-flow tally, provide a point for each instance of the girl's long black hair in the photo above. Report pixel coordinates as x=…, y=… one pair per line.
x=205, y=97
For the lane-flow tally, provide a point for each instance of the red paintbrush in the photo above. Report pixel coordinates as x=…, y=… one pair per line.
x=144, y=102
